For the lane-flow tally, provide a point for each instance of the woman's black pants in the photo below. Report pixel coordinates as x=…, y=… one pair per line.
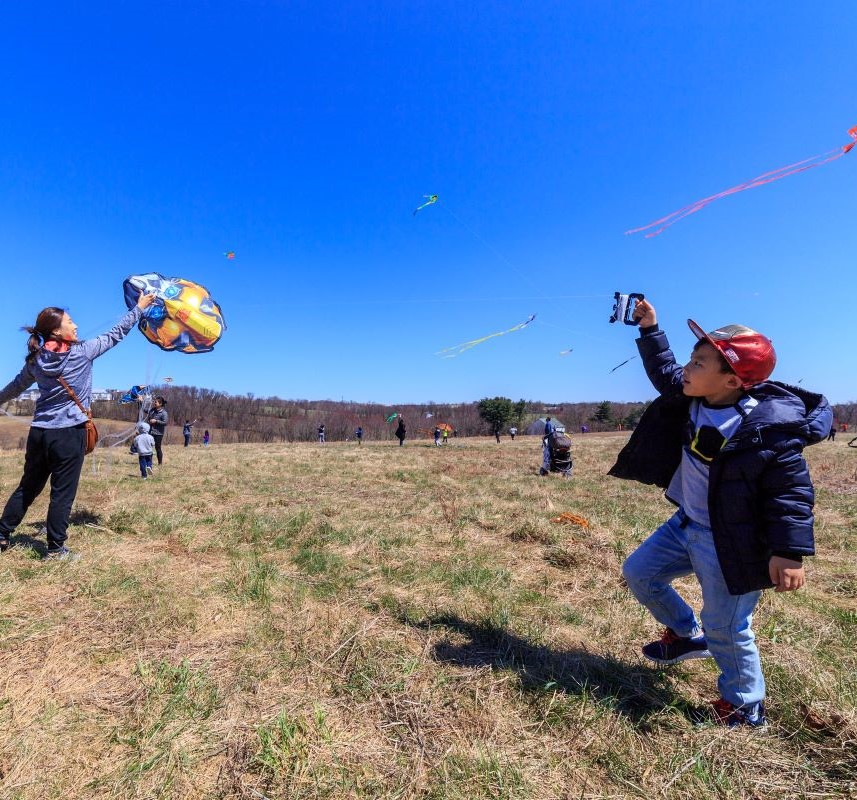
x=55, y=453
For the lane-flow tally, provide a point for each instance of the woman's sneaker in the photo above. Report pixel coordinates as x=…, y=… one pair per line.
x=726, y=714
x=672, y=648
x=63, y=554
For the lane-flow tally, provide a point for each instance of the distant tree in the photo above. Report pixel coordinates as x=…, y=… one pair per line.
x=604, y=413
x=497, y=411
x=518, y=411
x=631, y=419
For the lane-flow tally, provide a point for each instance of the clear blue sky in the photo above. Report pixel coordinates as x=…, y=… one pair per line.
x=154, y=137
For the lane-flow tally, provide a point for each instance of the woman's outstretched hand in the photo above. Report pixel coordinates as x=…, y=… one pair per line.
x=145, y=300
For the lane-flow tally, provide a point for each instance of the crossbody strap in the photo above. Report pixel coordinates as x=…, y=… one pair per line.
x=64, y=384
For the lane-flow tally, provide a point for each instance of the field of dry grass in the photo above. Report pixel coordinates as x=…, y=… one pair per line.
x=298, y=621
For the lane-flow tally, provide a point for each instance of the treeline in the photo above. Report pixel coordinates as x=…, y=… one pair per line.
x=245, y=418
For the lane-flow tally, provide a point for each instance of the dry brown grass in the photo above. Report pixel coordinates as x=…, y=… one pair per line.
x=301, y=622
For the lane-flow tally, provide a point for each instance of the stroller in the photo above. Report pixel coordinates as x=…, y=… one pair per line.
x=557, y=455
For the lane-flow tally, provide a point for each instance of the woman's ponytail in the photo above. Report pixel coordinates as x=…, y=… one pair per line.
x=47, y=322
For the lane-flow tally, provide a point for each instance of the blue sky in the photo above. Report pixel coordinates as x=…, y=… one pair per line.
x=301, y=135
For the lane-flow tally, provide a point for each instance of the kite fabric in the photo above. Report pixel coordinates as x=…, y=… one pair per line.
x=230, y=254
x=168, y=380
x=134, y=394
x=663, y=223
x=623, y=363
x=392, y=417
x=184, y=316
x=430, y=200
x=458, y=349
x=566, y=352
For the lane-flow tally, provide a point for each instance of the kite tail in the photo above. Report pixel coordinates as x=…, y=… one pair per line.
x=669, y=220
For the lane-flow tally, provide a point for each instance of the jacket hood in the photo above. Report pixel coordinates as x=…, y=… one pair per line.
x=143, y=427
x=52, y=364
x=793, y=409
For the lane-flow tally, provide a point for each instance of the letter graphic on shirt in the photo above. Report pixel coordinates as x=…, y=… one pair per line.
x=707, y=443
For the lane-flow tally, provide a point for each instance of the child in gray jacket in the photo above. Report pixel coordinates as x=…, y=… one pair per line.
x=144, y=446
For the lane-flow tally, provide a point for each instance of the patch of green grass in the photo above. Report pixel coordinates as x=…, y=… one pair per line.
x=486, y=775
x=252, y=581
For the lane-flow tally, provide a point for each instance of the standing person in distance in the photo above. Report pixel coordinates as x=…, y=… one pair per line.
x=726, y=443
x=57, y=441
x=158, y=419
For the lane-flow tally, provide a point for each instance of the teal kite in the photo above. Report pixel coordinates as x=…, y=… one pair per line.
x=430, y=200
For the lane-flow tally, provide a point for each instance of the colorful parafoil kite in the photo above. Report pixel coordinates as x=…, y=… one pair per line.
x=230, y=254
x=392, y=417
x=663, y=223
x=430, y=200
x=184, y=316
x=456, y=350
x=134, y=394
x=168, y=380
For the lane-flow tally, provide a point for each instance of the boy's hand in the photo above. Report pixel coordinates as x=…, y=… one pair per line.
x=644, y=313
x=786, y=574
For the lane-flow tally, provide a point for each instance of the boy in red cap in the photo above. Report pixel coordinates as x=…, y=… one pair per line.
x=726, y=444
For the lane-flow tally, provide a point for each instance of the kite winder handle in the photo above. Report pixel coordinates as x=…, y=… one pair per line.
x=624, y=305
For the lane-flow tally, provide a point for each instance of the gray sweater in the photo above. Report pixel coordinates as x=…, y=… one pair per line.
x=55, y=408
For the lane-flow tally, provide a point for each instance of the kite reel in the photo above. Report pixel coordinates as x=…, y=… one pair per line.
x=623, y=307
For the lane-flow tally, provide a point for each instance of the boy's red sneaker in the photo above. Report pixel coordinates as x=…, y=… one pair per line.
x=731, y=716
x=672, y=648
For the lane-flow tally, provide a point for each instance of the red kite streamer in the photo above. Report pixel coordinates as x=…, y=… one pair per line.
x=769, y=177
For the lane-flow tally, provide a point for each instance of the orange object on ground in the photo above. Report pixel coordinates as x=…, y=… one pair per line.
x=575, y=519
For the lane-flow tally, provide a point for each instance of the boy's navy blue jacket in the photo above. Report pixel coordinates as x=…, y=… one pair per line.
x=760, y=495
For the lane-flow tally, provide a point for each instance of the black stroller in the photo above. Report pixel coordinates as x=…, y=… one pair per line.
x=557, y=455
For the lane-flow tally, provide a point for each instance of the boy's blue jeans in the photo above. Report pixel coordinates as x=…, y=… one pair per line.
x=681, y=547
x=145, y=463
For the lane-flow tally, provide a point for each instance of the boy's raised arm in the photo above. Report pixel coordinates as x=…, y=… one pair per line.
x=658, y=360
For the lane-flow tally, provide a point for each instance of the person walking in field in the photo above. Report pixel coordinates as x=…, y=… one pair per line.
x=206, y=438
x=144, y=447
x=320, y=434
x=186, y=431
x=726, y=443
x=401, y=431
x=437, y=435
x=359, y=434
x=61, y=365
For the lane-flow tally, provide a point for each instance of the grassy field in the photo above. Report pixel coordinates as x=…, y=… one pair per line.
x=298, y=621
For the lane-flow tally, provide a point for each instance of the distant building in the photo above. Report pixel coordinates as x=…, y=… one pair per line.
x=537, y=428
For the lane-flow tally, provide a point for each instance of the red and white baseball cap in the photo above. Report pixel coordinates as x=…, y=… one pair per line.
x=750, y=354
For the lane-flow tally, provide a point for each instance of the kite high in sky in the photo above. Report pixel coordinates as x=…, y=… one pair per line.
x=663, y=223
x=230, y=254
x=566, y=352
x=183, y=317
x=457, y=350
x=430, y=200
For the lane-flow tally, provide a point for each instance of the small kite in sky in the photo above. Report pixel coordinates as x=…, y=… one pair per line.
x=663, y=223
x=430, y=200
x=168, y=380
x=623, y=363
x=230, y=254
x=392, y=417
x=566, y=352
x=458, y=349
